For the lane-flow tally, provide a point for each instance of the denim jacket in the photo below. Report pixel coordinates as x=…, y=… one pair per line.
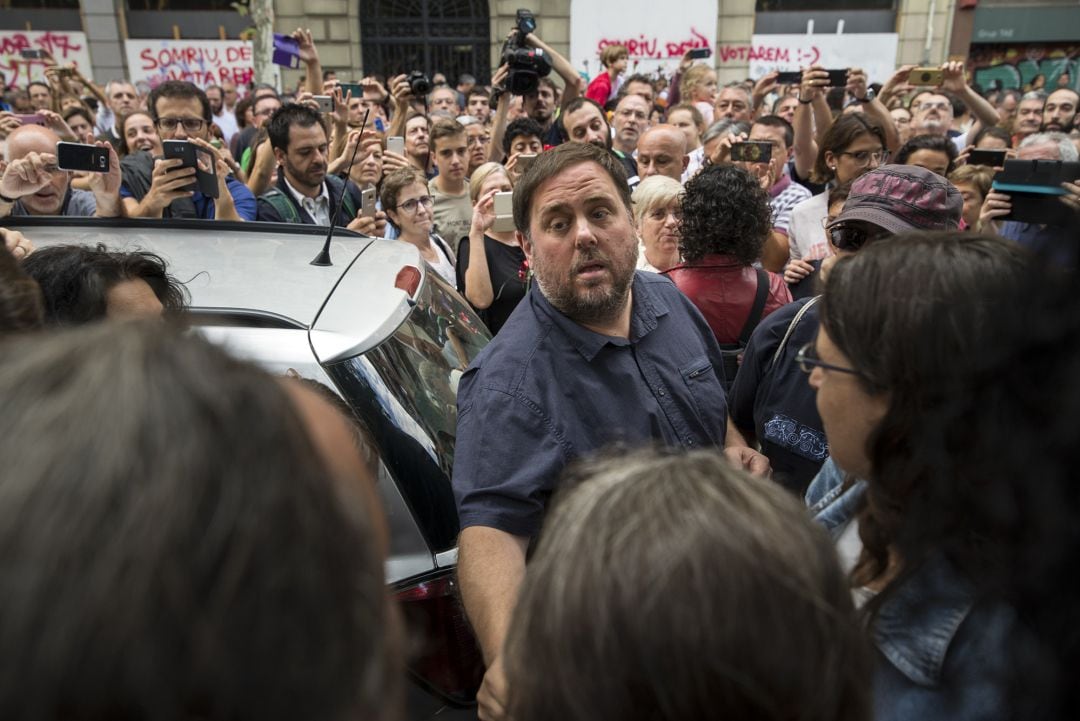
x=940, y=654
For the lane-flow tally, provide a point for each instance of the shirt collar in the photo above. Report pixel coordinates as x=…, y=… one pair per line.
x=300, y=197
x=781, y=185
x=646, y=308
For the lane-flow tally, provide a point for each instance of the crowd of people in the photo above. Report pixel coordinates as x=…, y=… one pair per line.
x=775, y=421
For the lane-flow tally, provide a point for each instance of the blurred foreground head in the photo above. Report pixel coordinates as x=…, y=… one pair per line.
x=183, y=537
x=674, y=587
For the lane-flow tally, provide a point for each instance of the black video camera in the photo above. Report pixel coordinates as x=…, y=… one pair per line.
x=419, y=84
x=526, y=65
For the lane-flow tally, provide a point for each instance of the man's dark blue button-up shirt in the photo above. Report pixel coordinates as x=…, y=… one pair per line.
x=547, y=391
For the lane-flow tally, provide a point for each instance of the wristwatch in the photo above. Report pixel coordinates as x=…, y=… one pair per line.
x=9, y=201
x=870, y=95
x=803, y=102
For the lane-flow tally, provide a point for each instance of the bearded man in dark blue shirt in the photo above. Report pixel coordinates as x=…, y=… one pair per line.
x=596, y=354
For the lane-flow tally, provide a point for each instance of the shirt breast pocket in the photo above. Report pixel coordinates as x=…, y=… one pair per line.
x=702, y=380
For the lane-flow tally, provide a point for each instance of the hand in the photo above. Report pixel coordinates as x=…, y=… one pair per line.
x=400, y=92
x=27, y=175
x=340, y=114
x=815, y=81
x=484, y=213
x=953, y=78
x=498, y=80
x=763, y=87
x=56, y=123
x=306, y=98
x=722, y=154
x=167, y=183
x=370, y=82
x=995, y=205
x=511, y=168
x=221, y=167
x=308, y=53
x=747, y=459
x=856, y=83
x=491, y=699
x=796, y=270
x=374, y=227
x=686, y=61
x=1072, y=195
x=393, y=161
x=16, y=243
x=8, y=123
x=107, y=184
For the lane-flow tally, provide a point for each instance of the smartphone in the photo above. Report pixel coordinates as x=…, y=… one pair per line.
x=524, y=162
x=789, y=77
x=326, y=103
x=395, y=144
x=751, y=152
x=926, y=76
x=367, y=203
x=33, y=119
x=992, y=158
x=77, y=156
x=33, y=54
x=194, y=157
x=837, y=78
x=504, y=212
x=379, y=125
x=356, y=88
x=217, y=143
x=699, y=54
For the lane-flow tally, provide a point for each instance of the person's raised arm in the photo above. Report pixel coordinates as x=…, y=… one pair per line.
x=765, y=85
x=491, y=567
x=562, y=66
x=339, y=120
x=857, y=86
x=224, y=205
x=106, y=186
x=168, y=182
x=806, y=148
x=400, y=97
x=478, y=289
x=984, y=113
x=262, y=168
x=309, y=55
x=896, y=85
x=498, y=123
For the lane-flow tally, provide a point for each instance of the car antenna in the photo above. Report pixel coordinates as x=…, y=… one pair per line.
x=323, y=258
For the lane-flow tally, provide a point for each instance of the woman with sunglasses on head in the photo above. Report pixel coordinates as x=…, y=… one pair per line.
x=409, y=210
x=770, y=400
x=854, y=145
x=909, y=368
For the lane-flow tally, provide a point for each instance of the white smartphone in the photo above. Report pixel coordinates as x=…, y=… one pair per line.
x=326, y=103
x=504, y=213
x=524, y=162
x=367, y=203
x=395, y=144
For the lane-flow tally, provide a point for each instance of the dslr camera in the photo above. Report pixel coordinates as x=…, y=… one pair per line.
x=526, y=65
x=419, y=84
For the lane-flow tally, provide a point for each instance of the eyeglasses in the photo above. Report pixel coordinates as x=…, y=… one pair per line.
x=807, y=361
x=191, y=125
x=863, y=158
x=934, y=106
x=478, y=139
x=852, y=237
x=410, y=205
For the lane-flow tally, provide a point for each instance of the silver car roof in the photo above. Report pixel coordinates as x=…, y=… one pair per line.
x=256, y=266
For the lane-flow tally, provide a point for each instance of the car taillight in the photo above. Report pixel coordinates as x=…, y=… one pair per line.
x=408, y=280
x=444, y=654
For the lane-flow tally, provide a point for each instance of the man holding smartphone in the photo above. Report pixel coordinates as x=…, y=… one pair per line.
x=161, y=188
x=33, y=185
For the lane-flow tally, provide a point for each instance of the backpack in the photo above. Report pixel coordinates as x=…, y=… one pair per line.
x=289, y=213
x=731, y=353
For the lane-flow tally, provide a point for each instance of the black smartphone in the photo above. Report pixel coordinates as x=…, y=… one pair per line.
x=992, y=158
x=76, y=156
x=837, y=78
x=1035, y=192
x=33, y=54
x=194, y=157
x=789, y=77
x=699, y=54
x=751, y=152
x=356, y=88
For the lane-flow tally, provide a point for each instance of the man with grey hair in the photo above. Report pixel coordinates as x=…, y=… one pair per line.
x=596, y=354
x=121, y=98
x=1028, y=115
x=1057, y=240
x=32, y=184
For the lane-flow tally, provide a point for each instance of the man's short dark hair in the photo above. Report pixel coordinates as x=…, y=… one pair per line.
x=180, y=90
x=775, y=121
x=277, y=128
x=937, y=143
x=444, y=128
x=518, y=128
x=75, y=280
x=20, y=297
x=553, y=162
x=81, y=112
x=478, y=91
x=32, y=83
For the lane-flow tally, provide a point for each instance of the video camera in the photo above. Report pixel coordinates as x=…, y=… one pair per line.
x=527, y=65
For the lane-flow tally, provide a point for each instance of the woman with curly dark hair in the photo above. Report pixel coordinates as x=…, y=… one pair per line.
x=726, y=220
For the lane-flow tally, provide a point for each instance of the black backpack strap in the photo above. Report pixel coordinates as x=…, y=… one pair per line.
x=758, y=307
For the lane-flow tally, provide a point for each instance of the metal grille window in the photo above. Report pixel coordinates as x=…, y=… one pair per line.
x=446, y=36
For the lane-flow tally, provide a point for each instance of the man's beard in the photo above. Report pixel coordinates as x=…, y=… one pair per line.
x=592, y=305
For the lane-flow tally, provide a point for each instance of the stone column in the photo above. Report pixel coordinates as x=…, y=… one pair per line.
x=102, y=22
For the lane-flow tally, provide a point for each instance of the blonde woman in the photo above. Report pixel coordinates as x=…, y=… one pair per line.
x=657, y=215
x=698, y=86
x=491, y=269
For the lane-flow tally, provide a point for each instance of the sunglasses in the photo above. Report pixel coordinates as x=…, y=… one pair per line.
x=852, y=237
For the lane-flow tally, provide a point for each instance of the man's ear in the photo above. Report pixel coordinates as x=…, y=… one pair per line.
x=685, y=162
x=279, y=155
x=525, y=243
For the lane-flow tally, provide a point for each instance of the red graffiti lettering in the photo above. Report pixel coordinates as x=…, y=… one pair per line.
x=643, y=47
